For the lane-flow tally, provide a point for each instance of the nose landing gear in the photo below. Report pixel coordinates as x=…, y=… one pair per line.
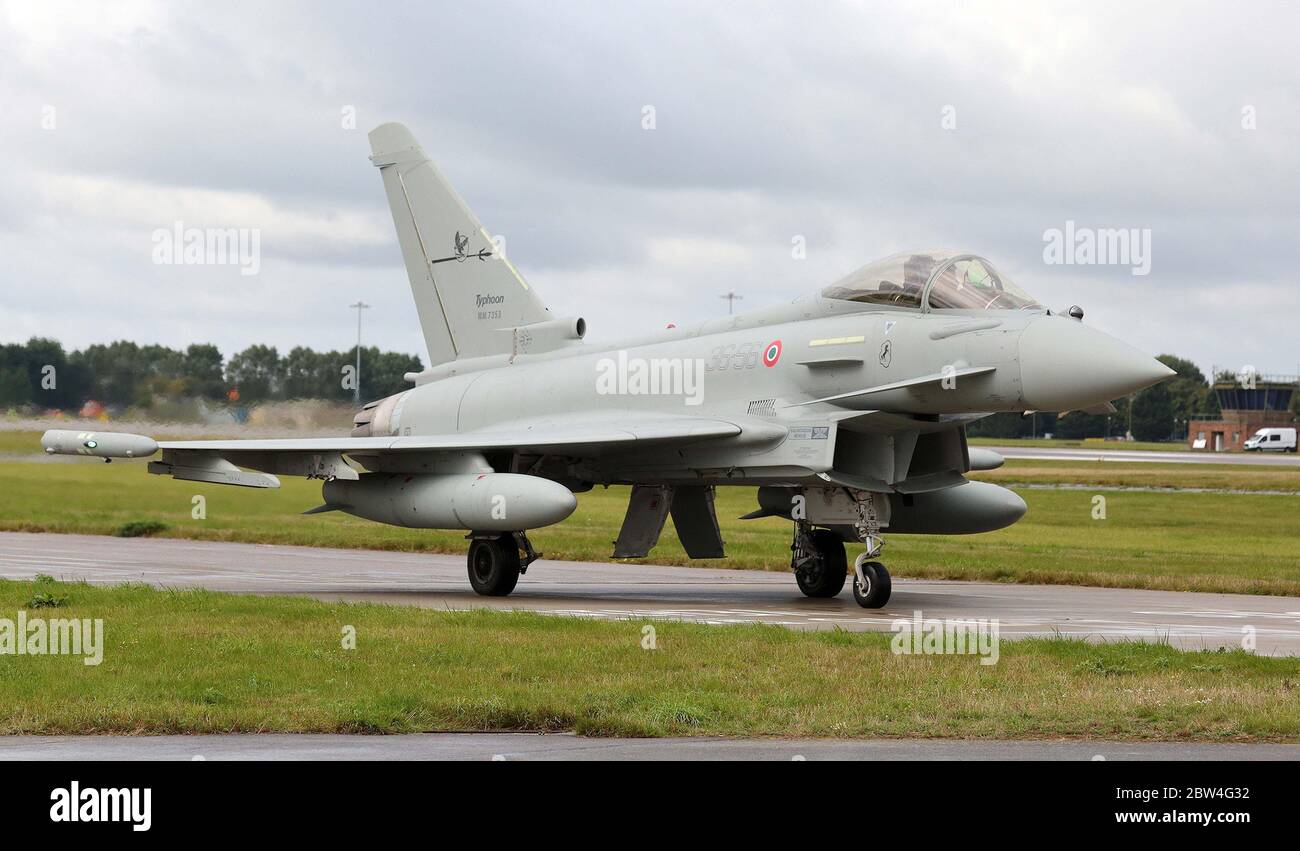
x=871, y=583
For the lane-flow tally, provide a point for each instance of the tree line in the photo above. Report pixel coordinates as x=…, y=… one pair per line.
x=124, y=374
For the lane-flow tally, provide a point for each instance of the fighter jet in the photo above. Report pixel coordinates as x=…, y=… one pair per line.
x=845, y=409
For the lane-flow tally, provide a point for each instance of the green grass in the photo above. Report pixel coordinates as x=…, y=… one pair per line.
x=20, y=442
x=1243, y=543
x=1146, y=474
x=199, y=661
x=1082, y=443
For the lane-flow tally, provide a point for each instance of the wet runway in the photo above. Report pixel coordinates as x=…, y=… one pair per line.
x=509, y=747
x=624, y=591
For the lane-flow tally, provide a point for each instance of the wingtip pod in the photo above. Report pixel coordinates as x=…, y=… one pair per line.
x=98, y=444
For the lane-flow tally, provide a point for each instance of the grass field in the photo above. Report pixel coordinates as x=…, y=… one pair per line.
x=1120, y=474
x=1247, y=543
x=197, y=661
x=1082, y=443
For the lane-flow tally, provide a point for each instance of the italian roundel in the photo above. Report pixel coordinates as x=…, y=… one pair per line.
x=772, y=353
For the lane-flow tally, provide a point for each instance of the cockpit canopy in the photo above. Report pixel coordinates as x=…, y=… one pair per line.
x=943, y=280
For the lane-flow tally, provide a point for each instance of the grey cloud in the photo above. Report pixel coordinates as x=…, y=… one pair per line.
x=772, y=120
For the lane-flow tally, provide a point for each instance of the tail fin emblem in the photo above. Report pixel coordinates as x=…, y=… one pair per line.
x=459, y=243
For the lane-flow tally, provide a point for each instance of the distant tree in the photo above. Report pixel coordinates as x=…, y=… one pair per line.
x=202, y=370
x=257, y=372
x=66, y=386
x=1185, y=368
x=313, y=375
x=1153, y=417
x=1078, y=426
x=15, y=387
x=382, y=372
x=1004, y=425
x=1161, y=412
x=117, y=373
x=124, y=373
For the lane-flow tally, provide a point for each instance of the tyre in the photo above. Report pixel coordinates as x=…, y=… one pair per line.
x=879, y=586
x=493, y=565
x=825, y=576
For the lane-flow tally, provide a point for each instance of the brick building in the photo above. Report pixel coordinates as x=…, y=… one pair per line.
x=1244, y=411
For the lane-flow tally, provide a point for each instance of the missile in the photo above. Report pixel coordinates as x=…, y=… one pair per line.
x=984, y=459
x=97, y=444
x=482, y=502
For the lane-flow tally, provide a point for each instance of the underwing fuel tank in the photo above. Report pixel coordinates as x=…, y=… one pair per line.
x=482, y=502
x=962, y=510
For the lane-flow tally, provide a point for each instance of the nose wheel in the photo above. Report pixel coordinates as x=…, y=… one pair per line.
x=871, y=583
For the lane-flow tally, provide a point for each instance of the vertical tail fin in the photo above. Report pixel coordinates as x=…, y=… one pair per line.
x=465, y=290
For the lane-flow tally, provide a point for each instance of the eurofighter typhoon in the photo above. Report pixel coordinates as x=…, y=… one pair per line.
x=845, y=409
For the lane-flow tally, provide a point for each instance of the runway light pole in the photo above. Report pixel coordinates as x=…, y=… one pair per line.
x=356, y=384
x=731, y=298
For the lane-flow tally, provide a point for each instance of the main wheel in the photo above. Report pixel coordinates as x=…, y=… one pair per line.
x=824, y=576
x=878, y=586
x=493, y=565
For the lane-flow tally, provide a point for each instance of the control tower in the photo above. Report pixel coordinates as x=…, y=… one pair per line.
x=1247, y=403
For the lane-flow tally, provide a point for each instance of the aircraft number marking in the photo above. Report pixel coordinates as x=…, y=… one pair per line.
x=734, y=356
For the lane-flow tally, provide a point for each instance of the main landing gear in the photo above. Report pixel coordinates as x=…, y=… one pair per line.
x=497, y=559
x=818, y=561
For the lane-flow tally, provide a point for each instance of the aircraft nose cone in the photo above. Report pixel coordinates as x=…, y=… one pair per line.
x=1065, y=366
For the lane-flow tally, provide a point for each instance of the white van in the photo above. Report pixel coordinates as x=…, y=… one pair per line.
x=1271, y=440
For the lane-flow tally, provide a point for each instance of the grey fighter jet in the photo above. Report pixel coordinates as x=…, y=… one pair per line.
x=845, y=409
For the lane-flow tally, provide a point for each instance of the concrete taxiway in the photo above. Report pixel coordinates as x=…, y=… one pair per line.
x=627, y=591
x=1258, y=459
x=565, y=746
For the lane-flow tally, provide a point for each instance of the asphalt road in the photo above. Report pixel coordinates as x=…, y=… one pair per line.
x=565, y=746
x=624, y=591
x=1040, y=453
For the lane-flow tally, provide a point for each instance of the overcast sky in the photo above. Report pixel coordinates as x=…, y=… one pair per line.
x=862, y=129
